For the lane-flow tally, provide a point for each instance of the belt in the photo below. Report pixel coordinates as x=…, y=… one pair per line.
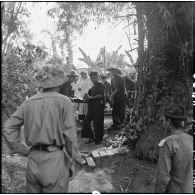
x=47, y=148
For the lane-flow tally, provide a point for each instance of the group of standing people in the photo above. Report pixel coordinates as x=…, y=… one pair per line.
x=50, y=129
x=50, y=132
x=77, y=86
x=96, y=93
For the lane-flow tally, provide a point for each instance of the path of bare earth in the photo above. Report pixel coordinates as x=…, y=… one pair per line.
x=118, y=174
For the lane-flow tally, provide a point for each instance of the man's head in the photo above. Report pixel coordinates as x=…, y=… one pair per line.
x=76, y=79
x=83, y=74
x=49, y=78
x=72, y=75
x=113, y=75
x=94, y=76
x=115, y=71
x=174, y=117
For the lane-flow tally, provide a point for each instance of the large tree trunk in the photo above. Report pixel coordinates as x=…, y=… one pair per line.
x=140, y=48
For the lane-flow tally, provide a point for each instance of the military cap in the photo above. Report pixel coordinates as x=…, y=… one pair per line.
x=49, y=77
x=72, y=73
x=175, y=111
x=93, y=73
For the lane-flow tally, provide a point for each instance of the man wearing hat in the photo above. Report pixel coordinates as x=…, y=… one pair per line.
x=66, y=89
x=50, y=131
x=95, y=98
x=175, y=164
x=119, y=99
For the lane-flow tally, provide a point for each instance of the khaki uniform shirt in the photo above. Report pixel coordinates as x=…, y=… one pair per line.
x=175, y=164
x=48, y=119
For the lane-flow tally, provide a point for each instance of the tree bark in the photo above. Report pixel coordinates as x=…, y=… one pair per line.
x=140, y=47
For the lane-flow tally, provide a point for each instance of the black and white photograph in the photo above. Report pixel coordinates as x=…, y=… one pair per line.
x=97, y=97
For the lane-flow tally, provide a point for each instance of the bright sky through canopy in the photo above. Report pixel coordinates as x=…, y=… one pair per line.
x=93, y=38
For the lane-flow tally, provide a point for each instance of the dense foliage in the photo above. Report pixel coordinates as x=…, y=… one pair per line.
x=105, y=60
x=165, y=69
x=18, y=72
x=20, y=58
x=14, y=25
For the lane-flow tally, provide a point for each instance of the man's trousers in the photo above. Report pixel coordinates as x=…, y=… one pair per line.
x=95, y=114
x=118, y=111
x=47, y=172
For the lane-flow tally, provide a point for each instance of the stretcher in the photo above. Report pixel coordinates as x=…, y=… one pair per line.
x=78, y=100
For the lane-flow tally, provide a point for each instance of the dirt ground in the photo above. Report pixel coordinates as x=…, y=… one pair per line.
x=124, y=174
x=119, y=174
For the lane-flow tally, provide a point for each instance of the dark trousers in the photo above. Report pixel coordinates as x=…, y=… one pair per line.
x=95, y=114
x=118, y=111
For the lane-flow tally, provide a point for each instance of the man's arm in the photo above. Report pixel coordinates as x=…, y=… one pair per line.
x=96, y=97
x=11, y=131
x=163, y=169
x=70, y=134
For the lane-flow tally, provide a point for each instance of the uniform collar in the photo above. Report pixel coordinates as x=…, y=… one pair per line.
x=45, y=94
x=178, y=132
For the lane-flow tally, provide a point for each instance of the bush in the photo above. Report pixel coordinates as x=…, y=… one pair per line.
x=17, y=83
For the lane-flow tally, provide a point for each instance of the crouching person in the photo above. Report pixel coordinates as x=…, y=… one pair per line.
x=50, y=131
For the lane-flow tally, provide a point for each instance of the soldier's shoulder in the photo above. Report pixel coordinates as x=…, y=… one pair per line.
x=31, y=98
x=161, y=143
x=167, y=140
